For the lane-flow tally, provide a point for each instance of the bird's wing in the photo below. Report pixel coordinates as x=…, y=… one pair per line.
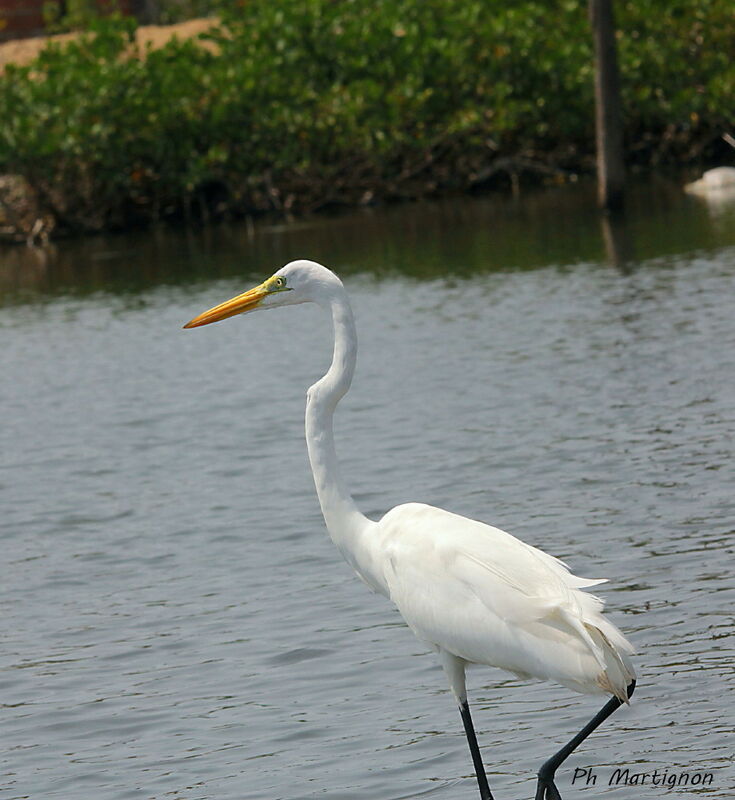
x=436, y=558
x=483, y=595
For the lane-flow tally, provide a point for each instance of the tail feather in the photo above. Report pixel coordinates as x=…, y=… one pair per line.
x=618, y=672
x=584, y=630
x=608, y=646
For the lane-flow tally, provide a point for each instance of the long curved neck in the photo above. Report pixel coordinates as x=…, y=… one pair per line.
x=344, y=522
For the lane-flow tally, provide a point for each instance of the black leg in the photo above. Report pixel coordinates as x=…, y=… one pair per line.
x=469, y=729
x=546, y=789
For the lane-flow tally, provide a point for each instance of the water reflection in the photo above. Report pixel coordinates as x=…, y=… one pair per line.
x=618, y=242
x=424, y=240
x=720, y=203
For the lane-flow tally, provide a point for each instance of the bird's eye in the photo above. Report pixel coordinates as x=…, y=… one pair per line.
x=280, y=282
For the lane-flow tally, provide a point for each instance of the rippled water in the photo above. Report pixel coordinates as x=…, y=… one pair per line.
x=176, y=623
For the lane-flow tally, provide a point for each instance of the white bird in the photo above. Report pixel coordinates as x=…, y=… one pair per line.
x=717, y=179
x=472, y=592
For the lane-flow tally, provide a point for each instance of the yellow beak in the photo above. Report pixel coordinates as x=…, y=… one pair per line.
x=238, y=305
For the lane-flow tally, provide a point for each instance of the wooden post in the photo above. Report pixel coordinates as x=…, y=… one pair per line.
x=147, y=12
x=608, y=111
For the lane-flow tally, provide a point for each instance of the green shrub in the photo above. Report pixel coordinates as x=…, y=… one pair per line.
x=307, y=102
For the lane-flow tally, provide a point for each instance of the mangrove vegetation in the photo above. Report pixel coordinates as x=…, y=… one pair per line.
x=297, y=105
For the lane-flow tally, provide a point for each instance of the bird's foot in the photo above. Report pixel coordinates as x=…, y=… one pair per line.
x=546, y=788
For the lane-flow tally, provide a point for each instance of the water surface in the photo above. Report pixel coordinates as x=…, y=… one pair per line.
x=176, y=623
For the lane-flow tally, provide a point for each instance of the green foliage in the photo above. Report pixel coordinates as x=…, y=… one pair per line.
x=305, y=102
x=677, y=61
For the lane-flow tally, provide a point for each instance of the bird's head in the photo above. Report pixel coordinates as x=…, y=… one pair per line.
x=297, y=282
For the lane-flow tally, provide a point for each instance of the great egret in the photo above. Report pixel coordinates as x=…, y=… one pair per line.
x=472, y=592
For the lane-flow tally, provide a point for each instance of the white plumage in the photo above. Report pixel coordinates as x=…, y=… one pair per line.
x=483, y=596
